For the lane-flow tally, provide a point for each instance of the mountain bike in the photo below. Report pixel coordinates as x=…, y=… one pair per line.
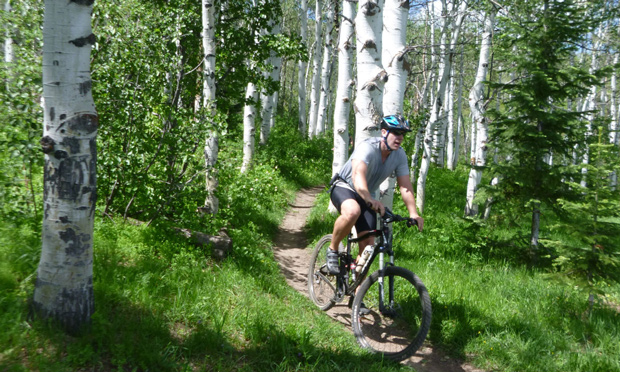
x=391, y=308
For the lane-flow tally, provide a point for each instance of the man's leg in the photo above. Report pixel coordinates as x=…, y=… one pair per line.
x=349, y=212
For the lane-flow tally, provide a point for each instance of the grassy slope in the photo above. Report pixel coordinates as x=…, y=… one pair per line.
x=163, y=305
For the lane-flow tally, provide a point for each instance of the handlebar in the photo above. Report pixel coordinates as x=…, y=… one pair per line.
x=390, y=217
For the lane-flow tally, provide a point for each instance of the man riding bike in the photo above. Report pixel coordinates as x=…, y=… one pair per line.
x=354, y=188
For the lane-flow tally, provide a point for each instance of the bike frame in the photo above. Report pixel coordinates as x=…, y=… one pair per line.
x=382, y=246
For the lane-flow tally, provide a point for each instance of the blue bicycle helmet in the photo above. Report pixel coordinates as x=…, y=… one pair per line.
x=395, y=123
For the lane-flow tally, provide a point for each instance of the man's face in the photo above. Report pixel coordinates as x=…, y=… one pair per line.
x=394, y=139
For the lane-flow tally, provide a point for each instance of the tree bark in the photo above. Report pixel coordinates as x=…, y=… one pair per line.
x=249, y=126
x=393, y=57
x=64, y=287
x=316, y=77
x=326, y=70
x=208, y=101
x=478, y=110
x=613, y=125
x=371, y=75
x=345, y=86
x=301, y=74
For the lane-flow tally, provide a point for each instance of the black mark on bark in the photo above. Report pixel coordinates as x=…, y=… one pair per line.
x=82, y=41
x=85, y=87
x=70, y=179
x=77, y=244
x=83, y=2
x=72, y=143
x=86, y=123
x=52, y=114
x=60, y=154
x=47, y=144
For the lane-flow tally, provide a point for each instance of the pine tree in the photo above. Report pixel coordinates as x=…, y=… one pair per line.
x=589, y=251
x=534, y=122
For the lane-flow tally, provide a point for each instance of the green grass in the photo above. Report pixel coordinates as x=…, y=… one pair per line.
x=165, y=305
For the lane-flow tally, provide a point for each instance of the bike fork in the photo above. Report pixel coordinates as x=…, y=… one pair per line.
x=382, y=300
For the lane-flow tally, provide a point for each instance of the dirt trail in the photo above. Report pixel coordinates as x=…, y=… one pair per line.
x=293, y=256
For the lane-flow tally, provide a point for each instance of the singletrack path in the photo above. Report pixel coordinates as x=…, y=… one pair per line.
x=293, y=254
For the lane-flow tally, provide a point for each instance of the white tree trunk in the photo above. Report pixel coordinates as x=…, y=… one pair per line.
x=478, y=110
x=393, y=57
x=301, y=74
x=450, y=121
x=459, y=115
x=64, y=287
x=436, y=109
x=9, y=54
x=613, y=125
x=249, y=126
x=326, y=70
x=208, y=102
x=371, y=75
x=345, y=86
x=276, y=71
x=316, y=77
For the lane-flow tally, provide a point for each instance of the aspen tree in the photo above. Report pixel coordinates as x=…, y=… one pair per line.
x=371, y=75
x=393, y=57
x=325, y=70
x=479, y=120
x=316, y=77
x=249, y=126
x=613, y=125
x=345, y=86
x=208, y=103
x=268, y=101
x=303, y=65
x=64, y=287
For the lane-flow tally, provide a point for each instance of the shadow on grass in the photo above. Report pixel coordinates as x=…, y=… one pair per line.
x=134, y=329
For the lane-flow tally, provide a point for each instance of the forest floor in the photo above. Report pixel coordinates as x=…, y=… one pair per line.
x=292, y=254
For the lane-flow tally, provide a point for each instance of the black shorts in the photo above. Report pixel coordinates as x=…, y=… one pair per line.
x=367, y=220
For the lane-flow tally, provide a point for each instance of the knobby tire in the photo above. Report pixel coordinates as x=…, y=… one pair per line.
x=321, y=284
x=399, y=331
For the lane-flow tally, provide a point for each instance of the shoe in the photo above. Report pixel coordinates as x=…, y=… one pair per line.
x=363, y=309
x=333, y=262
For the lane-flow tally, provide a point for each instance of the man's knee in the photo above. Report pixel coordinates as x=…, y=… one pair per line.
x=350, y=210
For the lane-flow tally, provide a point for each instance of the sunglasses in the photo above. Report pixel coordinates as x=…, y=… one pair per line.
x=398, y=132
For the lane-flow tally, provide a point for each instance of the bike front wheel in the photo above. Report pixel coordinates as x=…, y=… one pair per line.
x=322, y=286
x=397, y=314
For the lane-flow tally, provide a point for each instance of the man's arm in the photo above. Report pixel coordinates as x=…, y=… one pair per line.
x=406, y=192
x=358, y=176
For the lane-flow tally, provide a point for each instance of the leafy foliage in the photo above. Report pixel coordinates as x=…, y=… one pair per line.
x=21, y=115
x=151, y=139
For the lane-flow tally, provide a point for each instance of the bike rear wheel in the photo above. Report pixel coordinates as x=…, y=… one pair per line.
x=322, y=286
x=399, y=315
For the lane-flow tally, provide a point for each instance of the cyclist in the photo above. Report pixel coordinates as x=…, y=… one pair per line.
x=354, y=188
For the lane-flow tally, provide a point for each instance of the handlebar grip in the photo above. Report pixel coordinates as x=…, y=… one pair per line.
x=411, y=222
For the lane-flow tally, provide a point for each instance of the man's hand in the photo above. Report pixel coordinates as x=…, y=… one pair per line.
x=419, y=221
x=376, y=206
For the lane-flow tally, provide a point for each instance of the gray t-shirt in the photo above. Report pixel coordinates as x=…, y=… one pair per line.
x=369, y=151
